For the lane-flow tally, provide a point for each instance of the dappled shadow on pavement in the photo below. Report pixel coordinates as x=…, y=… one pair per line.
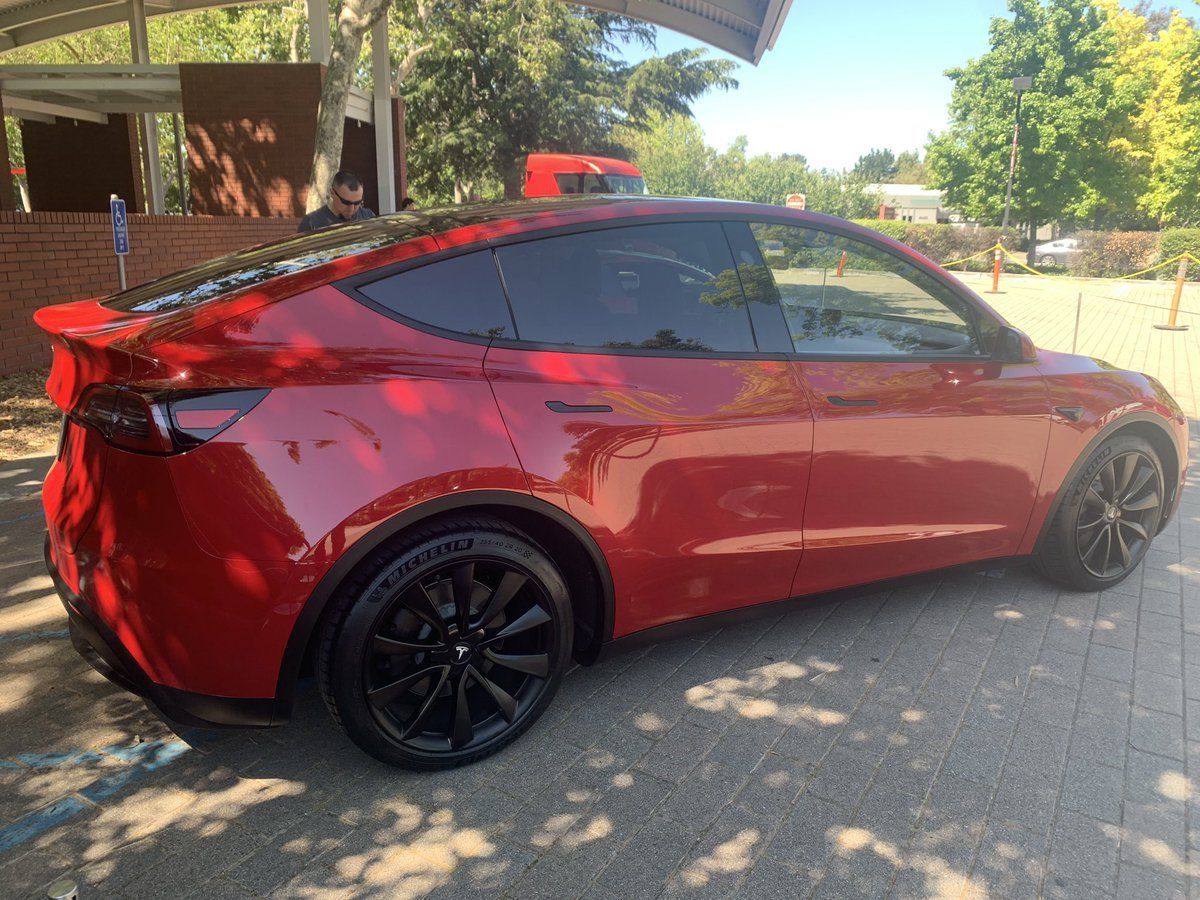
x=980, y=734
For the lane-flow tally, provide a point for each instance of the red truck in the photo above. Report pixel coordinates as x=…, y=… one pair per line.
x=552, y=174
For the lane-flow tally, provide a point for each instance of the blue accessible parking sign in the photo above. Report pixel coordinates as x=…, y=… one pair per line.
x=120, y=226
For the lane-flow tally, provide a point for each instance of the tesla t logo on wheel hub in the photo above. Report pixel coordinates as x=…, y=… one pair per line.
x=461, y=652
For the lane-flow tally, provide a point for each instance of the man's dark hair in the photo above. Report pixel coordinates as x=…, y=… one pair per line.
x=347, y=179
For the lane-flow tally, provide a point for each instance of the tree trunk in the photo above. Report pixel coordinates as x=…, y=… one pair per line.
x=1031, y=252
x=354, y=19
x=513, y=177
x=294, y=42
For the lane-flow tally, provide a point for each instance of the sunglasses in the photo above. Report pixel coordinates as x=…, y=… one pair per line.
x=347, y=202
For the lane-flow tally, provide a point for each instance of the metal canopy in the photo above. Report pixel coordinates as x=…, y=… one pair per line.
x=91, y=92
x=743, y=28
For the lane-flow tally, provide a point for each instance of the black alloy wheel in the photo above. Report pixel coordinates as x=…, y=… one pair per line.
x=447, y=645
x=1119, y=514
x=457, y=656
x=1108, y=514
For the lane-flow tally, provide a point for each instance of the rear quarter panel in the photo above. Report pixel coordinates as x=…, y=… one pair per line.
x=366, y=418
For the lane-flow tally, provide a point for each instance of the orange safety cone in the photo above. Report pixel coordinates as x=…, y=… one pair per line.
x=841, y=265
x=996, y=258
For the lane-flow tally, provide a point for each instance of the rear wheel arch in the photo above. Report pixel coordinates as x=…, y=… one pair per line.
x=580, y=559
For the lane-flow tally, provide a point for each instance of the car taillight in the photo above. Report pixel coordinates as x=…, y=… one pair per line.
x=162, y=422
x=199, y=416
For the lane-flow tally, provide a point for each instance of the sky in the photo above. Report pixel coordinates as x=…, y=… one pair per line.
x=849, y=75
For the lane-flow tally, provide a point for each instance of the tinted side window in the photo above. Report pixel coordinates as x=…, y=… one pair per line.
x=655, y=287
x=460, y=294
x=844, y=296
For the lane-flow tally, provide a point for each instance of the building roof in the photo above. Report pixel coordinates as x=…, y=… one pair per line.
x=743, y=28
x=901, y=191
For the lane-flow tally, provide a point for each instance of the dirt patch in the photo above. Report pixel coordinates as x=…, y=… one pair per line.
x=29, y=422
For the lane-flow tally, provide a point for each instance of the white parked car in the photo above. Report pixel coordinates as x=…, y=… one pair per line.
x=1057, y=253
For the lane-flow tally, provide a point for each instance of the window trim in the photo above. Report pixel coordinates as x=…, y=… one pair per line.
x=349, y=287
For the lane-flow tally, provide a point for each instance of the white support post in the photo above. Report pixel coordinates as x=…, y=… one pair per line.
x=150, y=164
x=318, y=31
x=385, y=151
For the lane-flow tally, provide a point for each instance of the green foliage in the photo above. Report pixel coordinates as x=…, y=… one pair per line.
x=1172, y=242
x=1067, y=167
x=876, y=165
x=947, y=243
x=890, y=227
x=672, y=154
x=1108, y=133
x=503, y=78
x=910, y=169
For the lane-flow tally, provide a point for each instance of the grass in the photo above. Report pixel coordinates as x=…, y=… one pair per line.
x=29, y=422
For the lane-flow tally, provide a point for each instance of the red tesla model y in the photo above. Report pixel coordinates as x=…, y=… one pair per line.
x=435, y=456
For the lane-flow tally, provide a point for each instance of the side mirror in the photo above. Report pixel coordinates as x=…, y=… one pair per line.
x=1013, y=346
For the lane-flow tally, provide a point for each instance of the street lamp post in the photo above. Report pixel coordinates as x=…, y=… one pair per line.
x=1020, y=83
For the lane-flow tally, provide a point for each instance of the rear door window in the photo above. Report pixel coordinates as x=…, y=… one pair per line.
x=461, y=294
x=671, y=287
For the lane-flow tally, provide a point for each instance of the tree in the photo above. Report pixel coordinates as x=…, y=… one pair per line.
x=354, y=19
x=909, y=169
x=1158, y=69
x=510, y=77
x=672, y=155
x=676, y=160
x=1067, y=168
x=876, y=165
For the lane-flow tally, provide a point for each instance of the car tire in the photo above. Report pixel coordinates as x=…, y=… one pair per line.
x=1107, y=518
x=1047, y=261
x=446, y=643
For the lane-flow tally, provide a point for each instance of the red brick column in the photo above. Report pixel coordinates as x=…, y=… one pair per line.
x=74, y=166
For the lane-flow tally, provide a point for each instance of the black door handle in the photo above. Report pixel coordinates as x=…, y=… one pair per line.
x=559, y=407
x=842, y=401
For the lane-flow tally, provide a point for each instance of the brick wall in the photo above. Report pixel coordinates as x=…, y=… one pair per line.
x=56, y=257
x=75, y=166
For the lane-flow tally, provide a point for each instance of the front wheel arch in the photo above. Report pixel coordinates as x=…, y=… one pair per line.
x=1143, y=424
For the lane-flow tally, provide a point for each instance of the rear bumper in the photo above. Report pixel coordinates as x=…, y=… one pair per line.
x=96, y=643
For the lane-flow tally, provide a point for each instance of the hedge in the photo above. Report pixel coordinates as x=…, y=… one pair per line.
x=946, y=243
x=1105, y=254
x=1172, y=242
x=1109, y=254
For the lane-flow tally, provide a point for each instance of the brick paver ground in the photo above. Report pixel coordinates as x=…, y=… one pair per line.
x=977, y=735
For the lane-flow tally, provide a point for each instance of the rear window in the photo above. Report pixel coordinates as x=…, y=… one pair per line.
x=653, y=287
x=462, y=294
x=246, y=268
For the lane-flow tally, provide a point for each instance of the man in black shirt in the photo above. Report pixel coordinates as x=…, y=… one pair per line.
x=345, y=204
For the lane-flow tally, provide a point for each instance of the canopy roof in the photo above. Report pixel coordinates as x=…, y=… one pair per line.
x=743, y=28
